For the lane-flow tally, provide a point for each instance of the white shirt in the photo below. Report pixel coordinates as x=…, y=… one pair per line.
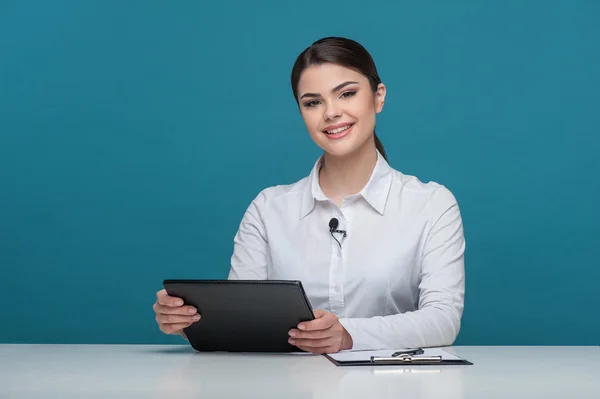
x=398, y=279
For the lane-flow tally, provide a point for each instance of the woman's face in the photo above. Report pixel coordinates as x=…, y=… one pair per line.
x=338, y=107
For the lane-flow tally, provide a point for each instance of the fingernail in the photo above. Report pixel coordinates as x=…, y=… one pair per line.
x=301, y=326
x=196, y=317
x=292, y=333
x=179, y=303
x=291, y=341
x=192, y=310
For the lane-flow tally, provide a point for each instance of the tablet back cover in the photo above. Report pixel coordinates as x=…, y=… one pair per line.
x=243, y=316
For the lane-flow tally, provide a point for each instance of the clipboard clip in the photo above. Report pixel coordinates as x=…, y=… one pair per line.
x=406, y=359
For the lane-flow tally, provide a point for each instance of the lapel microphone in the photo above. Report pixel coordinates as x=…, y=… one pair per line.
x=333, y=225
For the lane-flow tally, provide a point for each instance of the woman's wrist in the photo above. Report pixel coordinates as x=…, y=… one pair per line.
x=347, y=342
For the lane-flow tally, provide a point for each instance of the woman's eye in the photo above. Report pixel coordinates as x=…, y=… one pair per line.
x=314, y=103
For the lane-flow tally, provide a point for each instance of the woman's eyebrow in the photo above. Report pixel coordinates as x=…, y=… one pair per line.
x=336, y=88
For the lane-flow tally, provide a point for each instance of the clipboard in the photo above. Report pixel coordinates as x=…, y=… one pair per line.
x=403, y=357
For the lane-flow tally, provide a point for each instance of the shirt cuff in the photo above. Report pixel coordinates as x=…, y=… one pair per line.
x=360, y=340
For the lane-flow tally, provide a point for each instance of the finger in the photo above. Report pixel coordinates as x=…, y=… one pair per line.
x=176, y=319
x=317, y=334
x=164, y=299
x=320, y=313
x=312, y=343
x=325, y=321
x=182, y=310
x=174, y=328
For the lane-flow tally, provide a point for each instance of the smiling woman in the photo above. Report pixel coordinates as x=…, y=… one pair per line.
x=390, y=272
x=345, y=61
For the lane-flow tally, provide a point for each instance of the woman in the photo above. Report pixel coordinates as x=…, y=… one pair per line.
x=391, y=273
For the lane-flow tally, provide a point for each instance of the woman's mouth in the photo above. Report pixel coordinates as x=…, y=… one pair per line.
x=339, y=131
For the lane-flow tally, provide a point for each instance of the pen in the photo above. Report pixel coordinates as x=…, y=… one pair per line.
x=411, y=352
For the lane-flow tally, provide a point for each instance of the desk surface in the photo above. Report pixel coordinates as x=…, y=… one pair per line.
x=150, y=371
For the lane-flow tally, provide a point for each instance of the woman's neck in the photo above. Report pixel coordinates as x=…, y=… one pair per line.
x=343, y=176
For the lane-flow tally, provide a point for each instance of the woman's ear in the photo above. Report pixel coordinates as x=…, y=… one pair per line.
x=380, y=97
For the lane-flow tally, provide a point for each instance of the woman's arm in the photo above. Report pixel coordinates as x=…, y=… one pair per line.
x=442, y=287
x=249, y=259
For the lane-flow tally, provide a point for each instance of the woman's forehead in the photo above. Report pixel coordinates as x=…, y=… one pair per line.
x=327, y=76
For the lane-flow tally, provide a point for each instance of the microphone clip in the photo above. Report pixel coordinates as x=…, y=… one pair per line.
x=340, y=231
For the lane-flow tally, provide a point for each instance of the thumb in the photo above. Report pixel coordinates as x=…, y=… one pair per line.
x=320, y=313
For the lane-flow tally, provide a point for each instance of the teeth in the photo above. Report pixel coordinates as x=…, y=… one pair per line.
x=339, y=129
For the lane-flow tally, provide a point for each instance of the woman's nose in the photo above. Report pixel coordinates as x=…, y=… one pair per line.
x=332, y=111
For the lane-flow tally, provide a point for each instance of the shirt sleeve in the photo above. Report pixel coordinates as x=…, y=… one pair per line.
x=437, y=320
x=249, y=259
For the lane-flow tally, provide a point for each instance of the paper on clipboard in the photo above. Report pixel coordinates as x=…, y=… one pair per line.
x=349, y=356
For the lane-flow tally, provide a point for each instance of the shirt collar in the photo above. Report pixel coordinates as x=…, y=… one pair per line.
x=375, y=192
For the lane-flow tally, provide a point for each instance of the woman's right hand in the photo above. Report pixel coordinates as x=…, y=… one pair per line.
x=171, y=315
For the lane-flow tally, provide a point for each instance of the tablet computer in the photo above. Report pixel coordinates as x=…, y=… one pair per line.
x=243, y=315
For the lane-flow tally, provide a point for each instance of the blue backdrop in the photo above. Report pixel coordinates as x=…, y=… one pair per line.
x=133, y=135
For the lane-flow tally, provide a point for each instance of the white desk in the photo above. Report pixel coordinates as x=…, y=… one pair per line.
x=112, y=371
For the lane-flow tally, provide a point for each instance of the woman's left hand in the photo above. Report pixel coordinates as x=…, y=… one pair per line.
x=324, y=334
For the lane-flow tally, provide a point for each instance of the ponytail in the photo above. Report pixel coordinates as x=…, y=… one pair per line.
x=380, y=146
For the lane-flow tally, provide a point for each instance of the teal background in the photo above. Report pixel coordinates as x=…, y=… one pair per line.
x=133, y=135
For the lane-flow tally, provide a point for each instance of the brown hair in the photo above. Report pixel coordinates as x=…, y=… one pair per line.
x=341, y=51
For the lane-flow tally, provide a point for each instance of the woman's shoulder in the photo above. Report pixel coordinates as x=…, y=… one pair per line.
x=282, y=192
x=411, y=187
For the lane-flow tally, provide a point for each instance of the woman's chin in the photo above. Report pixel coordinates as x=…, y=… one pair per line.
x=340, y=149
